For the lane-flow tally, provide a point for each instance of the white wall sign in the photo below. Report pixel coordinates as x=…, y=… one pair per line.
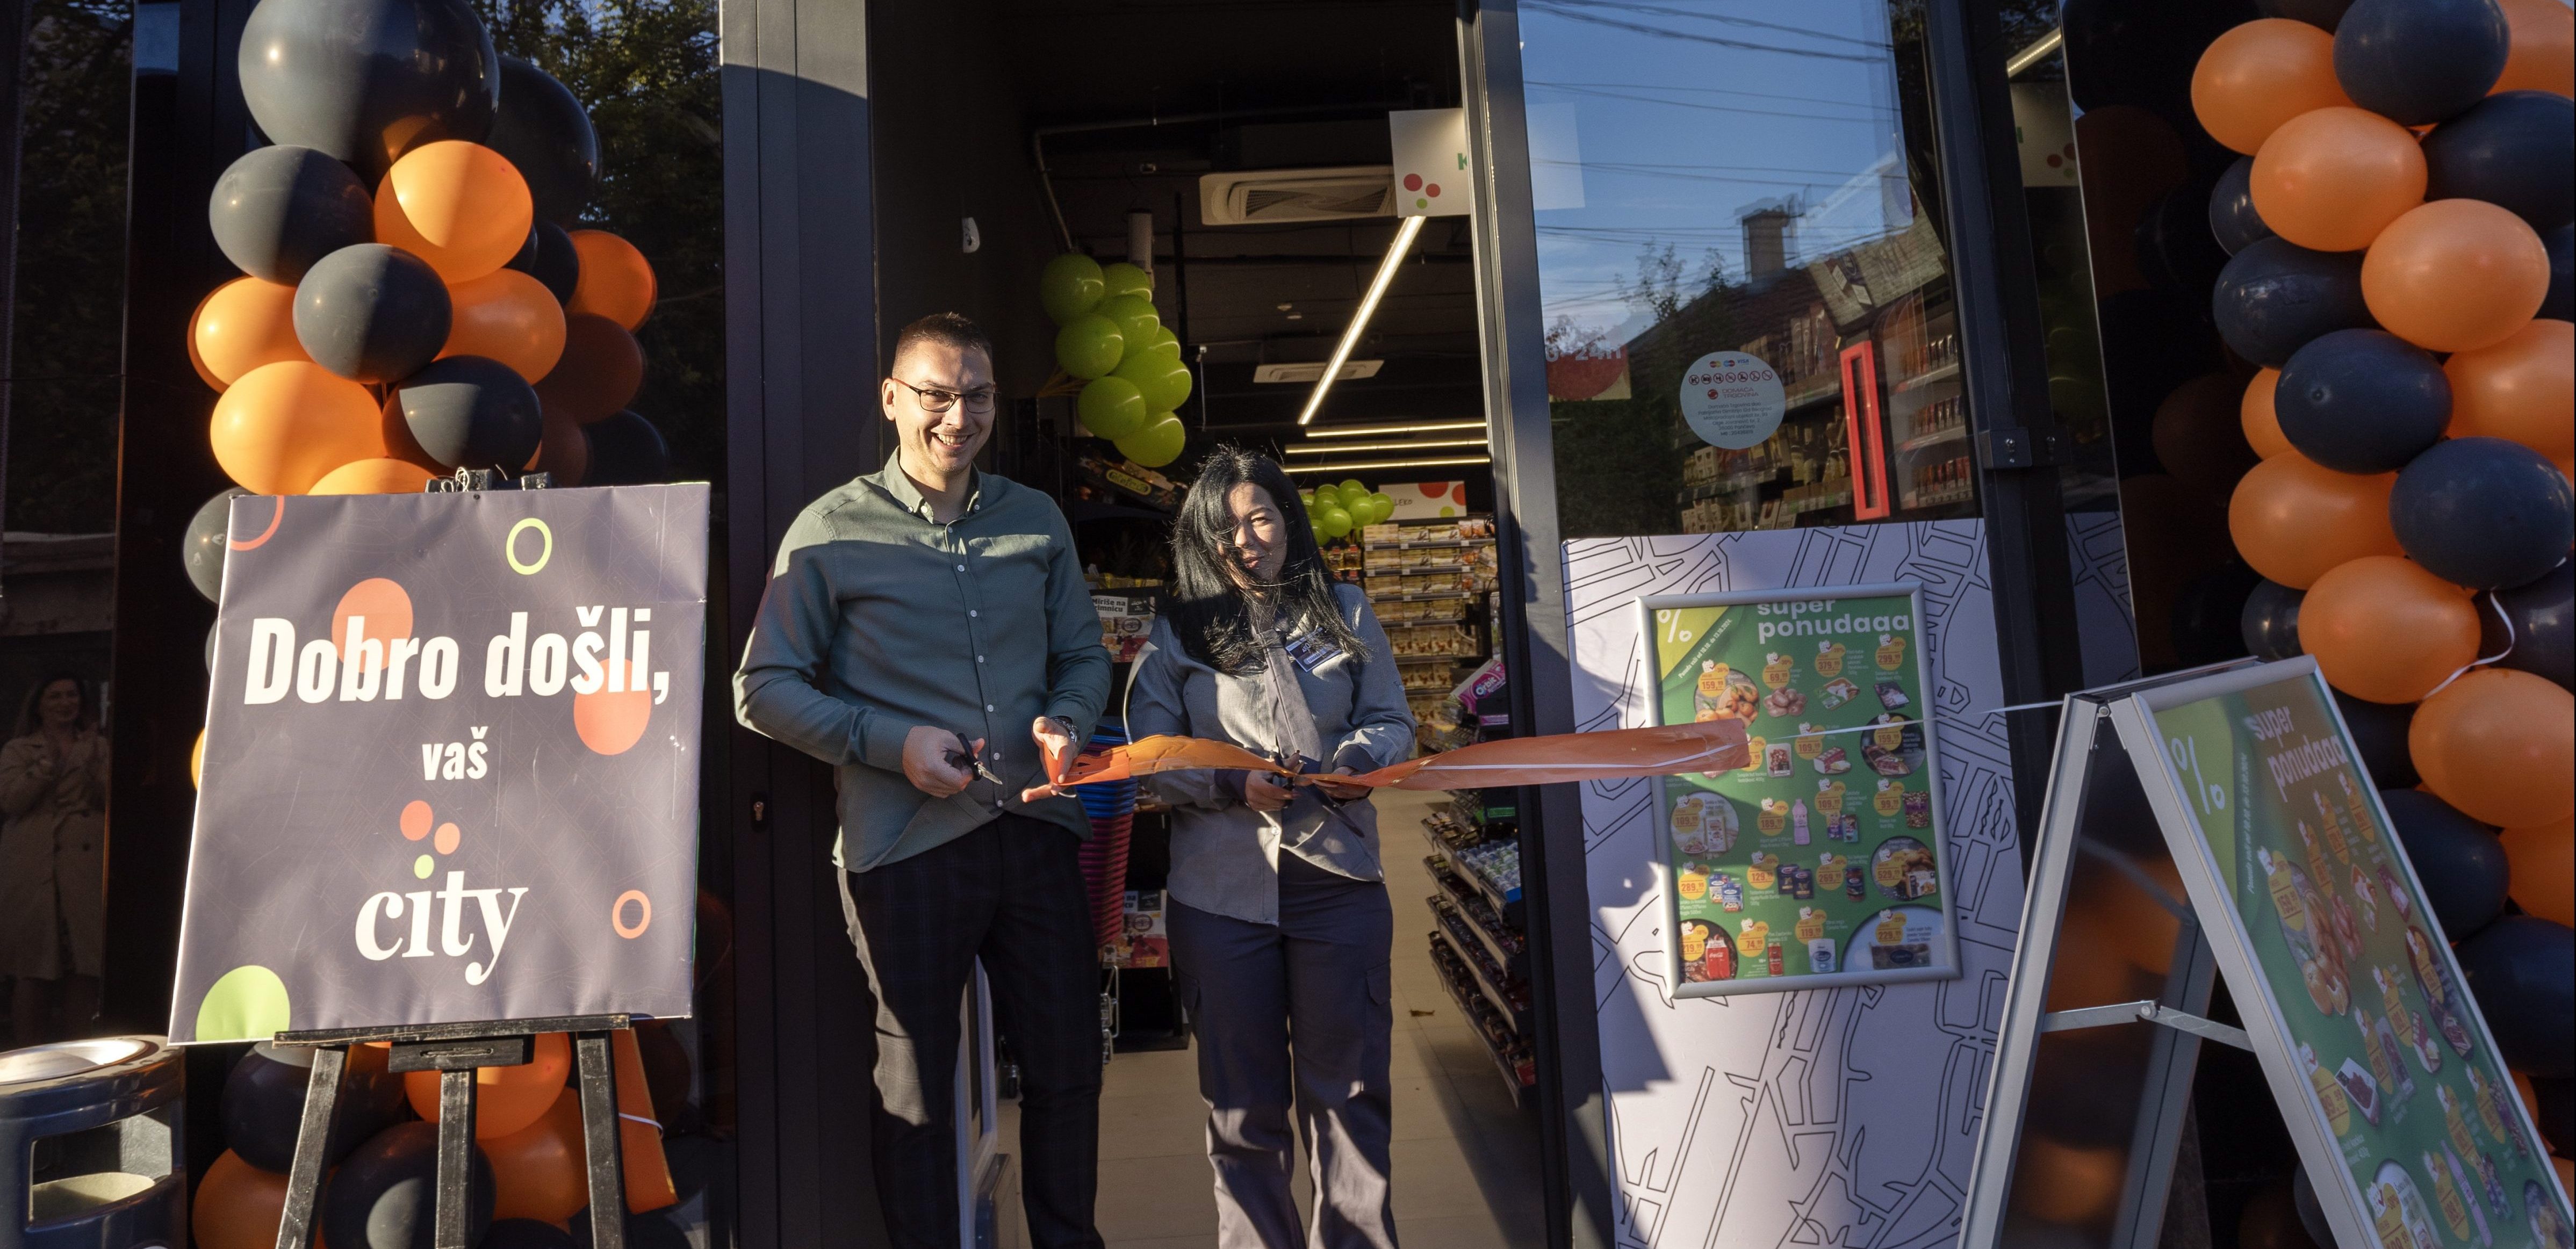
x=1732, y=400
x=1431, y=175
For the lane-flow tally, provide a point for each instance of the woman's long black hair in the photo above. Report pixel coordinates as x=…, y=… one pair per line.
x=1210, y=613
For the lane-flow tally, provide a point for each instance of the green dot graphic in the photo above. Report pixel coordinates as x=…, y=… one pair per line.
x=422, y=866
x=247, y=1003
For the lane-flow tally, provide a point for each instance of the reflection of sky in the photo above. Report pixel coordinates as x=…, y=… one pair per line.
x=1690, y=112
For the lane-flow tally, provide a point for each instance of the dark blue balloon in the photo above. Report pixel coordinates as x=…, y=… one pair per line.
x=2457, y=860
x=2417, y=62
x=2174, y=244
x=2271, y=621
x=2275, y=297
x=2542, y=617
x=2522, y=970
x=2362, y=401
x=2378, y=733
x=2516, y=150
x=2560, y=303
x=2483, y=512
x=2232, y=219
x=526, y=1234
x=626, y=450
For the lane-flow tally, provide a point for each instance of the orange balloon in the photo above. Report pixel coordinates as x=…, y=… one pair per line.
x=2455, y=275
x=460, y=206
x=564, y=452
x=2542, y=55
x=244, y=324
x=2262, y=427
x=2190, y=432
x=2330, y=180
x=601, y=370
x=540, y=1171
x=2383, y=629
x=376, y=476
x=282, y=426
x=507, y=316
x=507, y=1099
x=2498, y=744
x=2067, y=1184
x=238, y=1206
x=2260, y=75
x=2544, y=869
x=2523, y=388
x=196, y=359
x=616, y=281
x=2293, y=518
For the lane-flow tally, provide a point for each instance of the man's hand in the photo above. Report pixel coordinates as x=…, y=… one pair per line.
x=926, y=763
x=1262, y=793
x=1343, y=792
x=1056, y=747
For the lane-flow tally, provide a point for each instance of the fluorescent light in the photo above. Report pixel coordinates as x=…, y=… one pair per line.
x=1313, y=369
x=1376, y=465
x=1419, y=444
x=1404, y=235
x=1372, y=431
x=2038, y=51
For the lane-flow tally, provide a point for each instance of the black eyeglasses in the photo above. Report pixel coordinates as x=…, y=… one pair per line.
x=933, y=399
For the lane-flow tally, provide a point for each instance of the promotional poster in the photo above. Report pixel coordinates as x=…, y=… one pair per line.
x=1821, y=857
x=449, y=771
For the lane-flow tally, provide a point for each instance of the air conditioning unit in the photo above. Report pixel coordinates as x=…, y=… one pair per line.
x=1262, y=196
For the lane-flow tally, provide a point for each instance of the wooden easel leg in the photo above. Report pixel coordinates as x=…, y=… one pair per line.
x=600, y=1139
x=455, y=1158
x=296, y=1224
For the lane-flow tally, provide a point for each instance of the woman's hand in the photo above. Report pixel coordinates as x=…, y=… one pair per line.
x=1262, y=793
x=1343, y=792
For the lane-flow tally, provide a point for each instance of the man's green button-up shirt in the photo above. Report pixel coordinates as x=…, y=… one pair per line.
x=877, y=619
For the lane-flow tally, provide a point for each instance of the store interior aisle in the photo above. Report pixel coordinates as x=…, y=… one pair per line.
x=1465, y=1157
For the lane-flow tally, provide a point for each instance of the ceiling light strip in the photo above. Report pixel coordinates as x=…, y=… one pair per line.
x=1404, y=235
x=1353, y=448
x=1372, y=466
x=1372, y=431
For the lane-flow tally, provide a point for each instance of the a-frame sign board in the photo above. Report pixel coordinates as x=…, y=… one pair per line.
x=2221, y=822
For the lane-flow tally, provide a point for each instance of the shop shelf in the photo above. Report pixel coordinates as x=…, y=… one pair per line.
x=1424, y=544
x=1418, y=596
x=1956, y=433
x=1942, y=374
x=1522, y=1085
x=1824, y=387
x=1493, y=994
x=1480, y=920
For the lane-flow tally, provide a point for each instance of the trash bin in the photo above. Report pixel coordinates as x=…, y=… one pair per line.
x=92, y=1144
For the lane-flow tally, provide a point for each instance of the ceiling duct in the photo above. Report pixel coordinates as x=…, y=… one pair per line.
x=1264, y=196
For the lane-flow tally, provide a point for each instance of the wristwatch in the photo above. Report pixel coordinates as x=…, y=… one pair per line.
x=1067, y=723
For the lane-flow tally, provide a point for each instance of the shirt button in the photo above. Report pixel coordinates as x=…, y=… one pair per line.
x=961, y=568
x=988, y=706
x=970, y=613
x=979, y=659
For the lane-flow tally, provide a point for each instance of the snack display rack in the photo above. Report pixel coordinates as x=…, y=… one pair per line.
x=1478, y=935
x=1429, y=581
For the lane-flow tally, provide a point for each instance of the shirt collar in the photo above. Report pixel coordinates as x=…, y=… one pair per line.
x=899, y=485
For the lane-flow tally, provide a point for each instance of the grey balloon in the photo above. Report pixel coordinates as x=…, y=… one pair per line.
x=471, y=412
x=544, y=131
x=277, y=210
x=364, y=81
x=209, y=536
x=550, y=259
x=372, y=313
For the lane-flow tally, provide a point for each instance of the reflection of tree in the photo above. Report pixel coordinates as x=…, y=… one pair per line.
x=1660, y=288
x=69, y=329
x=647, y=70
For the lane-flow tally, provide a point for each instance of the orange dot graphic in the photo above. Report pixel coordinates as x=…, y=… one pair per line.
x=387, y=609
x=617, y=914
x=610, y=723
x=415, y=820
x=448, y=836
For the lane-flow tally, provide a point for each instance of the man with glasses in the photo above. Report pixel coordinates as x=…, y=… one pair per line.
x=927, y=632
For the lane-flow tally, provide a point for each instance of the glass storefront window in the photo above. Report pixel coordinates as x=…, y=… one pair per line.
x=1742, y=267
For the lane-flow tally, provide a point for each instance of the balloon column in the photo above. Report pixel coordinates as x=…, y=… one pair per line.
x=1116, y=356
x=1340, y=511
x=419, y=295
x=2400, y=242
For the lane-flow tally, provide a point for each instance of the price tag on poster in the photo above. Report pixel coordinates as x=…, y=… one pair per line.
x=2405, y=1116
x=1820, y=862
x=451, y=763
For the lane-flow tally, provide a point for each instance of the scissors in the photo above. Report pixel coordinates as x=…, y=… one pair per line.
x=963, y=757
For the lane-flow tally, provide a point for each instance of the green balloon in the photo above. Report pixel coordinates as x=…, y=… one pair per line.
x=1123, y=278
x=1157, y=444
x=1334, y=520
x=1134, y=316
x=1070, y=286
x=1166, y=343
x=1352, y=489
x=1383, y=505
x=1112, y=408
x=1089, y=346
x=1165, y=382
x=1318, y=526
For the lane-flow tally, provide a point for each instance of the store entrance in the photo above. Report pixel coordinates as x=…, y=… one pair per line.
x=1242, y=155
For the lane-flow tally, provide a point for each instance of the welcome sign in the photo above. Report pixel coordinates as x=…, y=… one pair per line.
x=450, y=768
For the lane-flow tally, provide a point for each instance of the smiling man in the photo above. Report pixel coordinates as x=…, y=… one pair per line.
x=927, y=632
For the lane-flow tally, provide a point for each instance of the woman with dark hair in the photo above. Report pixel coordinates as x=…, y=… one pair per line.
x=1280, y=923
x=53, y=793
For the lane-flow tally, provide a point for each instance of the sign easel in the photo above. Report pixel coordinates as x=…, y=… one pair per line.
x=454, y=1051
x=2219, y=823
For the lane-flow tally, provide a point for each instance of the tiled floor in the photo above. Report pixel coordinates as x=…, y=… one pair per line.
x=1465, y=1159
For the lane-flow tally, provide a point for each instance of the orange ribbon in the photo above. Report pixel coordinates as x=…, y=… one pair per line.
x=1612, y=754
